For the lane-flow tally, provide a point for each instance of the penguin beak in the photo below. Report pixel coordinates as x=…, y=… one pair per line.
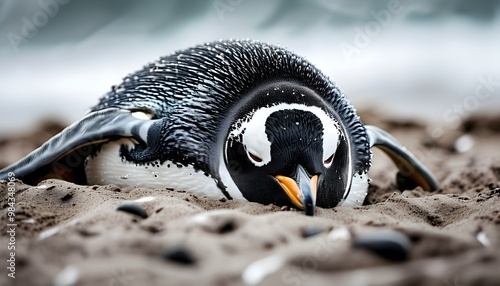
x=301, y=192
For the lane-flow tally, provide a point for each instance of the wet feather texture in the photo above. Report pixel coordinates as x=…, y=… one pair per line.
x=195, y=88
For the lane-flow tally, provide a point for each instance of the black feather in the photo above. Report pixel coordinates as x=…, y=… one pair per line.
x=193, y=90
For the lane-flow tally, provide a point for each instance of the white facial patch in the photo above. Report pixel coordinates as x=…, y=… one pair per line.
x=255, y=138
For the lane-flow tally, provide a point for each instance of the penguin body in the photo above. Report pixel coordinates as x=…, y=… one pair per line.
x=235, y=119
x=108, y=167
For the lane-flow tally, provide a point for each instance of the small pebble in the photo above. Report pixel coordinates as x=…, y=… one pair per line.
x=67, y=197
x=463, y=144
x=48, y=233
x=145, y=199
x=226, y=226
x=45, y=187
x=260, y=269
x=30, y=221
x=311, y=231
x=339, y=234
x=483, y=239
x=132, y=208
x=388, y=244
x=67, y=277
x=179, y=254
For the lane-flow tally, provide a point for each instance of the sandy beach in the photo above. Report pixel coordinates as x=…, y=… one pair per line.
x=68, y=234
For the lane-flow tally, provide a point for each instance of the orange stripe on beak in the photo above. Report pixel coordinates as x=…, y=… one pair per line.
x=297, y=195
x=291, y=189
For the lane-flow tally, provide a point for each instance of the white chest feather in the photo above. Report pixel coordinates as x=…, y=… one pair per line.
x=109, y=168
x=358, y=192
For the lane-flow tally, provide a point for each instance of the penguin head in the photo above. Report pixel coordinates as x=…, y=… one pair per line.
x=284, y=152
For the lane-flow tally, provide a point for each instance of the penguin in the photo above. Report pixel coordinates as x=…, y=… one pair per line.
x=236, y=119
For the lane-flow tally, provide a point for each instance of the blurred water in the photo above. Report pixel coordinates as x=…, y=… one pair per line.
x=422, y=59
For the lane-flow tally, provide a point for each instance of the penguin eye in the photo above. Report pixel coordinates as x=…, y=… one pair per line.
x=329, y=160
x=254, y=157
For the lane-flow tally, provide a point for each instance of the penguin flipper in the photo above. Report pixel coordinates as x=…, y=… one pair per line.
x=63, y=156
x=412, y=172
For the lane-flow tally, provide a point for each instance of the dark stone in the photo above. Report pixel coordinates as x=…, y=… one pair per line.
x=405, y=183
x=132, y=208
x=67, y=197
x=391, y=245
x=179, y=254
x=227, y=226
x=311, y=231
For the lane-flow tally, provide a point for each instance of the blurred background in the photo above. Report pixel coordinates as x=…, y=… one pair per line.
x=431, y=60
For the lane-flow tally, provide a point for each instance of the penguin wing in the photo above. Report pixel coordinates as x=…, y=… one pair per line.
x=412, y=173
x=64, y=154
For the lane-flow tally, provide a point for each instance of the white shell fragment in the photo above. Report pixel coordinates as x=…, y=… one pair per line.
x=463, y=144
x=67, y=277
x=258, y=270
